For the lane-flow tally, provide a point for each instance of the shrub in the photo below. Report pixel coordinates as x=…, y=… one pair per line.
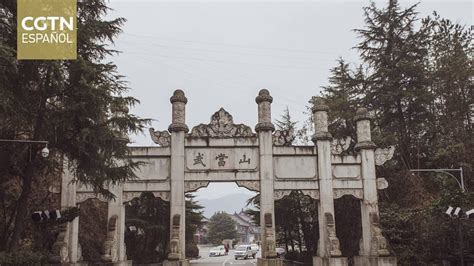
x=23, y=257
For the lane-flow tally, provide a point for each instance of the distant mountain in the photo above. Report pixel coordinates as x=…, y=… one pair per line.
x=230, y=204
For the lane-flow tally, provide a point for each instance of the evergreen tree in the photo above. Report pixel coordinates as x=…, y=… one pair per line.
x=417, y=80
x=221, y=226
x=78, y=106
x=286, y=128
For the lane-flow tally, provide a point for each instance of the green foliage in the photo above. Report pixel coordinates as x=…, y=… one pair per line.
x=78, y=106
x=21, y=258
x=416, y=78
x=221, y=226
x=150, y=217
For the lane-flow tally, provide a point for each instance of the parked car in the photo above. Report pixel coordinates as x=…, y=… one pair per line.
x=280, y=252
x=255, y=247
x=217, y=251
x=245, y=252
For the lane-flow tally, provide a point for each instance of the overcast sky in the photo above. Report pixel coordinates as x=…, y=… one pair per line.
x=222, y=53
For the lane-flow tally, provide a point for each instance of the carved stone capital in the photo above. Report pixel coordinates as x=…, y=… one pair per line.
x=178, y=96
x=176, y=127
x=365, y=145
x=362, y=114
x=265, y=126
x=319, y=104
x=319, y=135
x=263, y=96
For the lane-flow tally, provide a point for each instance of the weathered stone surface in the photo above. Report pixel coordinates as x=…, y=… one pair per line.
x=221, y=126
x=295, y=167
x=224, y=151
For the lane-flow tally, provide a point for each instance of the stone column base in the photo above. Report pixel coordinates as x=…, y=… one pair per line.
x=269, y=262
x=340, y=261
x=375, y=261
x=176, y=263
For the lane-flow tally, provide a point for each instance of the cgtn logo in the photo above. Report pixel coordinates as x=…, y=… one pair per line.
x=47, y=29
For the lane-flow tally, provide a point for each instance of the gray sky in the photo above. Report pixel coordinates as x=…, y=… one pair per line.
x=222, y=53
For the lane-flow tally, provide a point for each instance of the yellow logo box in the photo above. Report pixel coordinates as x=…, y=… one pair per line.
x=47, y=29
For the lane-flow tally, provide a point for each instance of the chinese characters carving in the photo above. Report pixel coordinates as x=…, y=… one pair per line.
x=221, y=159
x=244, y=160
x=198, y=159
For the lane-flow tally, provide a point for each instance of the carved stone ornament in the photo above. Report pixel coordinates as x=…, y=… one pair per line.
x=251, y=185
x=383, y=155
x=221, y=126
x=341, y=145
x=382, y=183
x=333, y=247
x=59, y=251
x=283, y=137
x=174, y=242
x=379, y=244
x=164, y=195
x=162, y=138
x=269, y=237
x=130, y=195
x=356, y=193
x=110, y=247
x=83, y=196
x=280, y=194
x=191, y=186
x=312, y=193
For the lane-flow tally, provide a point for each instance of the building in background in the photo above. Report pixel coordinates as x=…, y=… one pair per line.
x=247, y=231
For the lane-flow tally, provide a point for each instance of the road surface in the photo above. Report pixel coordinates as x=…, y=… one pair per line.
x=227, y=260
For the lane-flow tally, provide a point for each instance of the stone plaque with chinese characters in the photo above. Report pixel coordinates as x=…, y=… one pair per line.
x=225, y=159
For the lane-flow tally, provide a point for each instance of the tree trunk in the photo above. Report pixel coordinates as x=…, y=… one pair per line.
x=22, y=207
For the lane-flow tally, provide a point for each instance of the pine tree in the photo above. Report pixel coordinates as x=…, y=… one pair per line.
x=221, y=226
x=76, y=105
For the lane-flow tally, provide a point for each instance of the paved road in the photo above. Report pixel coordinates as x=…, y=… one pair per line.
x=227, y=260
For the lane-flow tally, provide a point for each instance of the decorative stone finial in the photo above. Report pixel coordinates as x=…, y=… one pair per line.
x=320, y=117
x=264, y=101
x=362, y=114
x=178, y=101
x=319, y=104
x=364, y=139
x=178, y=96
x=264, y=96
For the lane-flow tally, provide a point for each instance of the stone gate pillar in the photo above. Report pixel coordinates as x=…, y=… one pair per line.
x=114, y=247
x=329, y=252
x=178, y=129
x=373, y=245
x=66, y=248
x=264, y=130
